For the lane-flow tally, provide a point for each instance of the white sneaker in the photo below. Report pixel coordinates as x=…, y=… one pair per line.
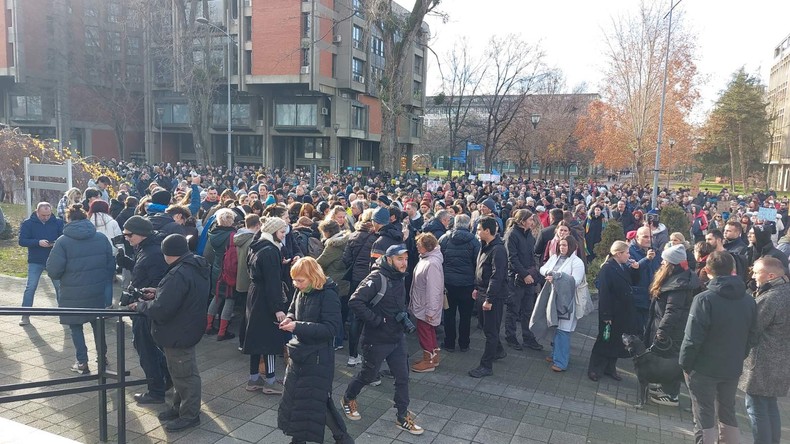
x=352, y=361
x=24, y=321
x=81, y=368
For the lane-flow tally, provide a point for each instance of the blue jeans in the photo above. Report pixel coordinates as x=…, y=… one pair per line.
x=34, y=272
x=562, y=348
x=764, y=415
x=78, y=338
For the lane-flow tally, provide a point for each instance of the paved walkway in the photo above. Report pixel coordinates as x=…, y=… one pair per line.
x=523, y=402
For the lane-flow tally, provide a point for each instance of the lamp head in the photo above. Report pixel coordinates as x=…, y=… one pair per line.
x=535, y=120
x=202, y=20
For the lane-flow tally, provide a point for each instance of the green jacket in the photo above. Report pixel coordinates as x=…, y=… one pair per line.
x=331, y=261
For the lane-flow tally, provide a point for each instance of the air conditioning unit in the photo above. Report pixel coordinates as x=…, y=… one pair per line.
x=357, y=44
x=260, y=123
x=361, y=79
x=305, y=70
x=337, y=38
x=324, y=111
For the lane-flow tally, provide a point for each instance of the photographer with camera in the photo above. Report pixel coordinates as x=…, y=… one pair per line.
x=380, y=302
x=176, y=308
x=148, y=267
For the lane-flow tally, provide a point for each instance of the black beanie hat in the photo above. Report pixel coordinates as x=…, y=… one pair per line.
x=161, y=197
x=139, y=225
x=175, y=245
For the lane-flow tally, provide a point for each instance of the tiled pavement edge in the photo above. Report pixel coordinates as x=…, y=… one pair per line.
x=523, y=402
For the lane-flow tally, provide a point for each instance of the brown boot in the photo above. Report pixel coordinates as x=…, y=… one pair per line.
x=426, y=365
x=425, y=357
x=435, y=358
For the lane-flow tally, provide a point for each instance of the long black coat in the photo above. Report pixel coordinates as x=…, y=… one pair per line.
x=615, y=304
x=670, y=310
x=308, y=379
x=265, y=298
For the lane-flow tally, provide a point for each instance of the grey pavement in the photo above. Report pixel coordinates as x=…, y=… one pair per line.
x=524, y=402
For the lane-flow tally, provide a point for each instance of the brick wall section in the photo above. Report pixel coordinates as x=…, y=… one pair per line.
x=276, y=37
x=374, y=113
x=6, y=52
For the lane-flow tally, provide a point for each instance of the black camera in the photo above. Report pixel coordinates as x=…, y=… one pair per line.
x=405, y=322
x=131, y=295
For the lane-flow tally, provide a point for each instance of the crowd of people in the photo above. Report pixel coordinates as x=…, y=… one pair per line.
x=347, y=262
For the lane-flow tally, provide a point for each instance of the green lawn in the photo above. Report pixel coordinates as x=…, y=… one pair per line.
x=13, y=258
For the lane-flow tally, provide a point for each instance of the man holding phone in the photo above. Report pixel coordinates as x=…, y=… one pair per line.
x=644, y=253
x=38, y=234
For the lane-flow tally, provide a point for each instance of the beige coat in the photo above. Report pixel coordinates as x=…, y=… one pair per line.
x=766, y=371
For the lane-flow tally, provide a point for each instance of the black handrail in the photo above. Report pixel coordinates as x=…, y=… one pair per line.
x=102, y=374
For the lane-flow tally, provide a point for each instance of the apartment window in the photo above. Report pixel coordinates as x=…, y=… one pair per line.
x=415, y=127
x=92, y=38
x=357, y=37
x=296, y=114
x=249, y=146
x=377, y=46
x=114, y=13
x=26, y=108
x=114, y=41
x=174, y=113
x=376, y=74
x=306, y=22
x=134, y=73
x=91, y=14
x=334, y=65
x=305, y=56
x=357, y=70
x=312, y=148
x=248, y=62
x=247, y=29
x=359, y=120
x=240, y=114
x=356, y=5
x=133, y=45
x=418, y=65
x=417, y=90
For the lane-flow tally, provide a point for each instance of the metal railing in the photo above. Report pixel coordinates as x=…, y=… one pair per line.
x=102, y=376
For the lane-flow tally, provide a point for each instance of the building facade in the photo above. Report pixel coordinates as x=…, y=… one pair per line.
x=777, y=154
x=304, y=79
x=71, y=70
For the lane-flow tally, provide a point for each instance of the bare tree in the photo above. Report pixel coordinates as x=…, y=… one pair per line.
x=460, y=85
x=515, y=68
x=400, y=32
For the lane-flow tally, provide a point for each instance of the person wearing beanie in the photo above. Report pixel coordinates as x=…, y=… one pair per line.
x=147, y=268
x=388, y=233
x=760, y=245
x=671, y=293
x=488, y=208
x=266, y=305
x=175, y=309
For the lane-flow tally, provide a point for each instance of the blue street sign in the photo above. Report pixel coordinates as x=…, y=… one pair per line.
x=473, y=147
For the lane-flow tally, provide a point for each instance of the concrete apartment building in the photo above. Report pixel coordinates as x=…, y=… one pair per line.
x=303, y=75
x=778, y=153
x=59, y=61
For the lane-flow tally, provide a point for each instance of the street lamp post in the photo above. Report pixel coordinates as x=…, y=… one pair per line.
x=159, y=113
x=535, y=119
x=669, y=170
x=204, y=21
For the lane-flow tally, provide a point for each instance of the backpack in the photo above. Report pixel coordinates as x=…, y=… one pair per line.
x=308, y=245
x=230, y=264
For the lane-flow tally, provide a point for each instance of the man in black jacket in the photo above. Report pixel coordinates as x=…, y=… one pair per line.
x=460, y=249
x=177, y=311
x=720, y=331
x=148, y=267
x=625, y=217
x=521, y=280
x=383, y=335
x=489, y=293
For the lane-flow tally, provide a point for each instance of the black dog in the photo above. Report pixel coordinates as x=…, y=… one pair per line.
x=649, y=367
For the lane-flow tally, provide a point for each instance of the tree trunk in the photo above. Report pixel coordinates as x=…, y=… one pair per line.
x=388, y=147
x=732, y=167
x=744, y=176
